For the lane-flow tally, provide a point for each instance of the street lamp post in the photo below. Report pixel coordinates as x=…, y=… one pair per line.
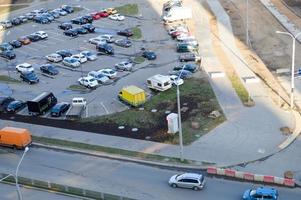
x=293, y=65
x=247, y=23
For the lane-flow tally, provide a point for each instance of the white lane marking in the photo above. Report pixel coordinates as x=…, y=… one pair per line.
x=101, y=103
x=31, y=48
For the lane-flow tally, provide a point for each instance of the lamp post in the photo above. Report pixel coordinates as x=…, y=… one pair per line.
x=293, y=65
x=247, y=23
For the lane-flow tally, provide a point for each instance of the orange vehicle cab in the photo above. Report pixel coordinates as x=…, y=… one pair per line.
x=17, y=138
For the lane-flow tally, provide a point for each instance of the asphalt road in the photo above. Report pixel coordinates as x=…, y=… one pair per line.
x=127, y=179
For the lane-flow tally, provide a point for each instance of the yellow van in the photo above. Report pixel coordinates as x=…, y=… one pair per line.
x=132, y=95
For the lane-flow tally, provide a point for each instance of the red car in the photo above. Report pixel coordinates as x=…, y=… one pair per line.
x=95, y=16
x=103, y=14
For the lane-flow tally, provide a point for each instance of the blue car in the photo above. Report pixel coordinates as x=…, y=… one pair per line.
x=262, y=193
x=30, y=77
x=59, y=109
x=149, y=55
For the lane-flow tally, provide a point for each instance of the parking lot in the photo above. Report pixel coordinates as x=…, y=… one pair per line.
x=103, y=100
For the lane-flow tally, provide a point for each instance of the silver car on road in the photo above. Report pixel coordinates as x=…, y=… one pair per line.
x=187, y=180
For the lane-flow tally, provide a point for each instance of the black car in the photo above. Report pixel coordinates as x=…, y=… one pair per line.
x=34, y=37
x=123, y=43
x=15, y=43
x=41, y=20
x=64, y=53
x=59, y=109
x=80, y=30
x=183, y=74
x=54, y=14
x=16, y=21
x=65, y=26
x=6, y=47
x=67, y=8
x=89, y=27
x=88, y=18
x=189, y=67
x=105, y=48
x=149, y=55
x=29, y=77
x=78, y=20
x=8, y=54
x=4, y=101
x=71, y=32
x=15, y=106
x=126, y=32
x=49, y=69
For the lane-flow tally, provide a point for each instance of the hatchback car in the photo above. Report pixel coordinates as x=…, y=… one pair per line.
x=15, y=106
x=123, y=43
x=187, y=180
x=15, y=43
x=65, y=26
x=89, y=55
x=24, y=40
x=59, y=109
x=89, y=27
x=189, y=67
x=109, y=73
x=6, y=47
x=71, y=62
x=29, y=77
x=262, y=193
x=8, y=54
x=149, y=55
x=80, y=30
x=54, y=57
x=71, y=32
x=4, y=102
x=41, y=34
x=105, y=48
x=24, y=68
x=64, y=53
x=124, y=66
x=125, y=32
x=80, y=57
x=175, y=80
x=49, y=69
x=101, y=78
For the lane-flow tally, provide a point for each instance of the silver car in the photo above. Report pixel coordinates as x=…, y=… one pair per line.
x=187, y=180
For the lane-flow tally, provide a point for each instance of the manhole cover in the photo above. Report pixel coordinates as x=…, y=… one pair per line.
x=167, y=111
x=121, y=127
x=147, y=137
x=197, y=135
x=141, y=108
x=134, y=129
x=154, y=110
x=261, y=151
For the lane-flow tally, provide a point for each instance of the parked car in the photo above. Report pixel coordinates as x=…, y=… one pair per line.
x=41, y=34
x=60, y=11
x=71, y=32
x=54, y=57
x=110, y=11
x=87, y=18
x=64, y=53
x=149, y=55
x=95, y=16
x=176, y=34
x=34, y=37
x=89, y=55
x=175, y=80
x=4, y=102
x=49, y=69
x=189, y=67
x=125, y=32
x=103, y=14
x=105, y=48
x=178, y=28
x=88, y=82
x=59, y=109
x=24, y=40
x=15, y=106
x=29, y=77
x=29, y=16
x=41, y=20
x=117, y=17
x=109, y=73
x=192, y=42
x=8, y=54
x=262, y=193
x=109, y=38
x=183, y=74
x=97, y=40
x=78, y=20
x=123, y=42
x=15, y=43
x=185, y=37
x=80, y=57
x=89, y=27
x=6, y=24
x=80, y=30
x=24, y=67
x=48, y=16
x=124, y=66
x=65, y=26
x=71, y=62
x=55, y=14
x=184, y=47
x=100, y=77
x=187, y=180
x=23, y=18
x=189, y=57
x=67, y=8
x=16, y=21
x=6, y=47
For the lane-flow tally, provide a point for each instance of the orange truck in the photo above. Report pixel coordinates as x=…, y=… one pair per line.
x=18, y=138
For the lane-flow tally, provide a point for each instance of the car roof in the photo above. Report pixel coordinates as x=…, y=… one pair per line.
x=191, y=175
x=266, y=191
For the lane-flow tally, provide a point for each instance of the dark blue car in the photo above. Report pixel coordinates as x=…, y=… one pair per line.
x=15, y=106
x=105, y=48
x=29, y=77
x=49, y=69
x=59, y=109
x=149, y=55
x=262, y=193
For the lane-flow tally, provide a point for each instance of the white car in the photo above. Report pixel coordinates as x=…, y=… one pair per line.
x=71, y=62
x=97, y=40
x=80, y=57
x=175, y=80
x=88, y=81
x=109, y=38
x=89, y=55
x=54, y=57
x=101, y=78
x=117, y=17
x=42, y=34
x=187, y=180
x=60, y=11
x=24, y=68
x=178, y=28
x=124, y=66
x=183, y=37
x=109, y=73
x=192, y=42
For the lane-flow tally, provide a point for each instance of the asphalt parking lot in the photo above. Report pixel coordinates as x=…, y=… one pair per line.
x=102, y=100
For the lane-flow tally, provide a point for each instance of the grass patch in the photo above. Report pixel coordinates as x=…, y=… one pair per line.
x=9, y=9
x=77, y=88
x=109, y=150
x=136, y=33
x=128, y=9
x=139, y=59
x=77, y=9
x=240, y=89
x=7, y=79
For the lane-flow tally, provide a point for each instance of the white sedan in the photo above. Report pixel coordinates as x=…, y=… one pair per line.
x=80, y=57
x=175, y=80
x=42, y=34
x=109, y=73
x=97, y=40
x=71, y=62
x=24, y=68
x=88, y=81
x=54, y=57
x=117, y=17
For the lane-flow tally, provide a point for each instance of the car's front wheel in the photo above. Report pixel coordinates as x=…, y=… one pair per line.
x=195, y=188
x=174, y=185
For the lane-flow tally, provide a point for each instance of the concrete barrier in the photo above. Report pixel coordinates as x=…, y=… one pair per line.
x=268, y=179
x=216, y=74
x=211, y=170
x=251, y=79
x=278, y=180
x=258, y=177
x=249, y=176
x=220, y=171
x=289, y=182
x=230, y=172
x=239, y=174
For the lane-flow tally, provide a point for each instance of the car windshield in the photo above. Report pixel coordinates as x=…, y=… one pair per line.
x=88, y=54
x=31, y=75
x=252, y=192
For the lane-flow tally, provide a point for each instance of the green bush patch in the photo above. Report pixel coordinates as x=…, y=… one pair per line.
x=136, y=33
x=4, y=78
x=139, y=59
x=128, y=9
x=77, y=88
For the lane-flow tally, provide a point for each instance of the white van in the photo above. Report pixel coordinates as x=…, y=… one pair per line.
x=177, y=13
x=159, y=82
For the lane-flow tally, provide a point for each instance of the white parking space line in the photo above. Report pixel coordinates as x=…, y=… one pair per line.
x=48, y=42
x=53, y=32
x=104, y=107
x=31, y=48
x=61, y=40
x=40, y=45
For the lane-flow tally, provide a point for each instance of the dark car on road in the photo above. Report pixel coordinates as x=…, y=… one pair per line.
x=80, y=30
x=64, y=53
x=89, y=27
x=71, y=33
x=149, y=55
x=105, y=48
x=126, y=32
x=34, y=37
x=65, y=26
x=15, y=43
x=4, y=101
x=123, y=42
x=59, y=109
x=8, y=54
x=49, y=69
x=78, y=20
x=30, y=77
x=15, y=106
x=189, y=67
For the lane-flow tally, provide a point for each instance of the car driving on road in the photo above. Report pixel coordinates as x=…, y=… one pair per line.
x=262, y=193
x=187, y=180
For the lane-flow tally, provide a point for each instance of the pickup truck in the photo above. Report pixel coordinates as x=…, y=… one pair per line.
x=78, y=106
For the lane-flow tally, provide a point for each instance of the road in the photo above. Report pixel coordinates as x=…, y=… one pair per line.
x=8, y=192
x=127, y=179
